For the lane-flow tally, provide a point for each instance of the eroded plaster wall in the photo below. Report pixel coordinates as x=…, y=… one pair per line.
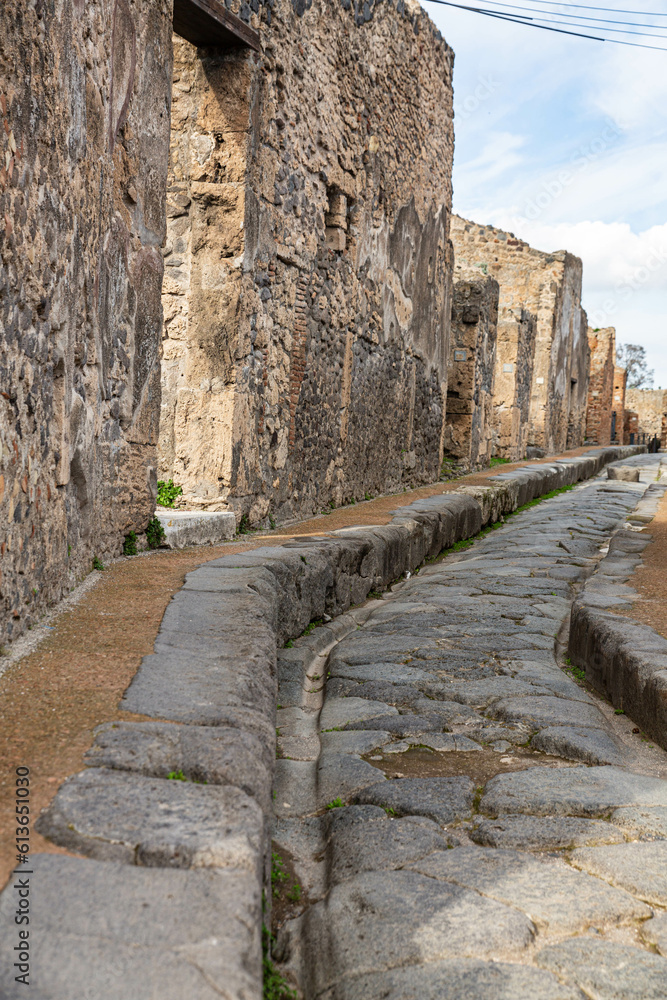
x=85, y=91
x=469, y=430
x=542, y=347
x=602, y=344
x=326, y=374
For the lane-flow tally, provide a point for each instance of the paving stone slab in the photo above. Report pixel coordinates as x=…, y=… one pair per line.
x=356, y=742
x=458, y=979
x=544, y=833
x=483, y=693
x=640, y=868
x=377, y=921
x=341, y=776
x=381, y=844
x=654, y=932
x=295, y=788
x=195, y=687
x=441, y=799
x=571, y=791
x=592, y=746
x=339, y=712
x=105, y=930
x=119, y=816
x=644, y=824
x=606, y=970
x=214, y=755
x=544, y=711
x=394, y=673
x=401, y=725
x=445, y=743
x=554, y=896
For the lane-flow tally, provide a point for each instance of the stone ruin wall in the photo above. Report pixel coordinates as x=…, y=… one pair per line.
x=602, y=344
x=650, y=406
x=618, y=406
x=85, y=92
x=469, y=430
x=321, y=275
x=542, y=352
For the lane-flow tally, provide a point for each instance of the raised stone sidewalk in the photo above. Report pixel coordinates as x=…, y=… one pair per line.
x=169, y=895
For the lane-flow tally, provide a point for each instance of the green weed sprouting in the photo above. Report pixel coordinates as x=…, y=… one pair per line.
x=97, y=563
x=130, y=544
x=335, y=804
x=167, y=492
x=154, y=534
x=276, y=986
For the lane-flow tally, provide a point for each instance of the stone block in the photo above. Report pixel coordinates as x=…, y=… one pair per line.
x=554, y=897
x=360, y=928
x=185, y=527
x=213, y=755
x=99, y=926
x=152, y=822
x=624, y=473
x=571, y=791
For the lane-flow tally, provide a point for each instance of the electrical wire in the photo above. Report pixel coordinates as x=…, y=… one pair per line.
x=610, y=10
x=580, y=17
x=561, y=31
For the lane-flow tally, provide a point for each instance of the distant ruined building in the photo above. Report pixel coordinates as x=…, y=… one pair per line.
x=227, y=257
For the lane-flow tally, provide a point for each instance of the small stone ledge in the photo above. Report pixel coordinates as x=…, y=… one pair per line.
x=623, y=659
x=195, y=527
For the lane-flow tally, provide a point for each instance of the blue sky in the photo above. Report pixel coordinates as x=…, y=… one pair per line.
x=563, y=141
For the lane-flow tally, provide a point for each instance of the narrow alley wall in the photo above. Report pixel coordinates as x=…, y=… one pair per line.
x=542, y=348
x=314, y=370
x=84, y=101
x=469, y=431
x=602, y=343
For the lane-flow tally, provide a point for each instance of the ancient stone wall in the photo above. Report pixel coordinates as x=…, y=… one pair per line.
x=472, y=358
x=579, y=376
x=85, y=92
x=618, y=408
x=308, y=302
x=602, y=343
x=650, y=405
x=545, y=364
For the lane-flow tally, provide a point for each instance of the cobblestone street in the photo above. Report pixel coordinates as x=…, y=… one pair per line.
x=468, y=819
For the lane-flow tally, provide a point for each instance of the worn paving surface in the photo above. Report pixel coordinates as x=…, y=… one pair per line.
x=66, y=676
x=466, y=818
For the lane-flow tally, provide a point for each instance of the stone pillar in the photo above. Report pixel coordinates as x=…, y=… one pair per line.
x=618, y=405
x=471, y=373
x=602, y=343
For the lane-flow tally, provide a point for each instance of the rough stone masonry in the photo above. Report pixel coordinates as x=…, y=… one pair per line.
x=307, y=282
x=542, y=357
x=307, y=287
x=85, y=91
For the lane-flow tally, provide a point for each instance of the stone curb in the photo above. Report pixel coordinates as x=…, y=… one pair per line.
x=213, y=671
x=623, y=659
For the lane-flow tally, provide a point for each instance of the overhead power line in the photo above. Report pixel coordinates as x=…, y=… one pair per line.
x=530, y=23
x=609, y=10
x=580, y=17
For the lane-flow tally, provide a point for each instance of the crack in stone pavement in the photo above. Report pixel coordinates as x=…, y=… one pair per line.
x=498, y=836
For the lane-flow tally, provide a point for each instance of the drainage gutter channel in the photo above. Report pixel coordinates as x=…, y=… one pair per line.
x=169, y=894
